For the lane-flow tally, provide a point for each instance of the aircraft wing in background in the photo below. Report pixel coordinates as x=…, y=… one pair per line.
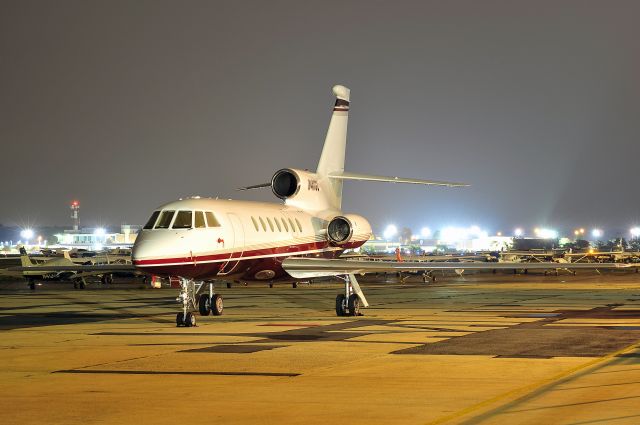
x=303, y=268
x=95, y=268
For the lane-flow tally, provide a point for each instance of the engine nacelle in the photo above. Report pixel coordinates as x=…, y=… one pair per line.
x=350, y=229
x=290, y=183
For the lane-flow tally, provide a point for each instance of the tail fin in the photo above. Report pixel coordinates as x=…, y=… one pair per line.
x=24, y=258
x=333, y=152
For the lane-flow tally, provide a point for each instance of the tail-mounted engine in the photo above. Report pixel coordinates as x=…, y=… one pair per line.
x=299, y=188
x=348, y=229
x=340, y=230
x=286, y=183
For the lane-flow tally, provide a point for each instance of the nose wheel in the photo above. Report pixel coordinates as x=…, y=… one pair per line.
x=187, y=320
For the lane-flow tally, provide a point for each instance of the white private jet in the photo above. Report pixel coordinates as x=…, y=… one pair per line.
x=201, y=240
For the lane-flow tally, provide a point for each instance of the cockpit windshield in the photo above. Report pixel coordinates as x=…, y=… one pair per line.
x=152, y=220
x=165, y=220
x=183, y=220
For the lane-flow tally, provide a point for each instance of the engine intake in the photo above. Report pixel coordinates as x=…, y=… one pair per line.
x=340, y=230
x=285, y=183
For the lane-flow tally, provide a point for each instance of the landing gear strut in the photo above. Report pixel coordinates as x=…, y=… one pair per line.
x=348, y=304
x=193, y=297
x=79, y=283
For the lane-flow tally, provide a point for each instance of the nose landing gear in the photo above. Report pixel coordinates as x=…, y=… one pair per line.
x=192, y=298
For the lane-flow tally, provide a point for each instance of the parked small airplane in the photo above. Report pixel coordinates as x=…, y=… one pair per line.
x=57, y=269
x=201, y=240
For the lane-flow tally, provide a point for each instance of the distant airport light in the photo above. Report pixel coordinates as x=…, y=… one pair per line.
x=518, y=232
x=635, y=232
x=547, y=233
x=99, y=231
x=453, y=234
x=499, y=234
x=596, y=233
x=426, y=232
x=457, y=234
x=390, y=231
x=582, y=231
x=27, y=234
x=576, y=232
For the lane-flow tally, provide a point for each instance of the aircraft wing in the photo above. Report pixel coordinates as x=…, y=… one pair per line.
x=303, y=268
x=6, y=272
x=79, y=268
x=367, y=177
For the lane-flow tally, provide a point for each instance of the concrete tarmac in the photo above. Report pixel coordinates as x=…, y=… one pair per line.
x=480, y=349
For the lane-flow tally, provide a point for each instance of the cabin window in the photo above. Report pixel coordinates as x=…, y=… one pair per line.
x=152, y=220
x=299, y=225
x=293, y=228
x=284, y=223
x=270, y=223
x=183, y=220
x=264, y=226
x=255, y=223
x=212, y=221
x=199, y=220
x=275, y=220
x=165, y=220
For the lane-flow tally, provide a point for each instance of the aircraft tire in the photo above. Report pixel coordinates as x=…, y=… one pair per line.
x=204, y=305
x=340, y=310
x=294, y=285
x=354, y=305
x=179, y=321
x=32, y=284
x=217, y=305
x=190, y=320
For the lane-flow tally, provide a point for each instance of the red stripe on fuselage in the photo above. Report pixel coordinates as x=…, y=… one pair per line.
x=237, y=255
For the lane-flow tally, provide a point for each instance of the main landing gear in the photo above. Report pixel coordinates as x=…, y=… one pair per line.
x=348, y=303
x=79, y=283
x=193, y=297
x=106, y=279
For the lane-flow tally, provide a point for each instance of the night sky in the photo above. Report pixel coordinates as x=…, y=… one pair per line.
x=126, y=105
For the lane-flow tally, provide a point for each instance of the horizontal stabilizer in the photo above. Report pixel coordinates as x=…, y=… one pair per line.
x=255, y=186
x=366, y=177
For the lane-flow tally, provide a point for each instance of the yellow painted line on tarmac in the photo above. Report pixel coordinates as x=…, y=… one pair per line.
x=528, y=389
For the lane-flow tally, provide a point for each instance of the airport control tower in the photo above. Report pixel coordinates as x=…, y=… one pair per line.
x=75, y=208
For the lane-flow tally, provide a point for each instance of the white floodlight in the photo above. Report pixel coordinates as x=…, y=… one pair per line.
x=390, y=231
x=635, y=231
x=99, y=231
x=426, y=232
x=27, y=234
x=596, y=233
x=547, y=233
x=518, y=232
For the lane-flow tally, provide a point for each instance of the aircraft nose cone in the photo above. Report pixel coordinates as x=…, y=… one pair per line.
x=142, y=248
